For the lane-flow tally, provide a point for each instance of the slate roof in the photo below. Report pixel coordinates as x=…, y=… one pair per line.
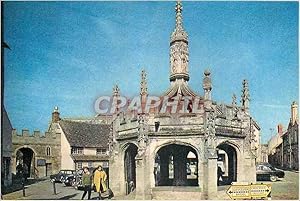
x=85, y=133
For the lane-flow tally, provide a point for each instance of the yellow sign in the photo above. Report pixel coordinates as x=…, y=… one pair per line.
x=260, y=190
x=249, y=191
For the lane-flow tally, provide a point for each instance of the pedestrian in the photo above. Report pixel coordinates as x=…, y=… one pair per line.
x=100, y=180
x=19, y=169
x=25, y=172
x=86, y=183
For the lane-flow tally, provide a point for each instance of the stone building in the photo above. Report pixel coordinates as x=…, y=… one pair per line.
x=6, y=149
x=263, y=158
x=68, y=144
x=84, y=143
x=275, y=148
x=39, y=151
x=290, y=140
x=149, y=150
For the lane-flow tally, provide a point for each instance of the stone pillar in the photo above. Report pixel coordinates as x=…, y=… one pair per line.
x=117, y=175
x=211, y=188
x=143, y=186
x=249, y=167
x=201, y=174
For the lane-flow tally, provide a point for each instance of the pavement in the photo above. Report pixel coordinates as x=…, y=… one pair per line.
x=285, y=189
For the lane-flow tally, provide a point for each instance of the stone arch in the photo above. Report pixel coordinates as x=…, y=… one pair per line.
x=25, y=160
x=124, y=146
x=179, y=142
x=232, y=143
x=25, y=146
x=129, y=152
x=173, y=167
x=228, y=169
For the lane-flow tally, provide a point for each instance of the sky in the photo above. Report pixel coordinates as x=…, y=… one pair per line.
x=67, y=54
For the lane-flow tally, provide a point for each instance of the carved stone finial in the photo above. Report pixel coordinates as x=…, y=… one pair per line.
x=179, y=33
x=207, y=86
x=116, y=90
x=234, y=103
x=144, y=89
x=178, y=9
x=56, y=109
x=245, y=95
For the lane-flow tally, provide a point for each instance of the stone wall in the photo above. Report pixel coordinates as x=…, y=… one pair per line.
x=6, y=149
x=38, y=142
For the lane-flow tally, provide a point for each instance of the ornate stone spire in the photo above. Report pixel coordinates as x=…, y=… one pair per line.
x=207, y=86
x=144, y=89
x=245, y=96
x=179, y=54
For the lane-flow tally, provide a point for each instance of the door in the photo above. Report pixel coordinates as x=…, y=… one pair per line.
x=48, y=169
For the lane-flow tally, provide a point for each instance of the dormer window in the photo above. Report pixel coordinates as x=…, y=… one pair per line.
x=77, y=150
x=101, y=151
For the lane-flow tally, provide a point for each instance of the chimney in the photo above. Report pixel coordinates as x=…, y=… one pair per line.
x=55, y=115
x=294, y=112
x=280, y=129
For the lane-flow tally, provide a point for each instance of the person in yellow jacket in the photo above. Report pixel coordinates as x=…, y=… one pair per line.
x=100, y=180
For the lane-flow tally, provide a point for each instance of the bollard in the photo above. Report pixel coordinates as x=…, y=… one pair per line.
x=54, y=188
x=23, y=188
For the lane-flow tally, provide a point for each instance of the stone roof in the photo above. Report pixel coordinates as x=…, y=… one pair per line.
x=85, y=133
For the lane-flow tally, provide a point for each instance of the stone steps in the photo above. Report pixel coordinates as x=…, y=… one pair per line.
x=176, y=193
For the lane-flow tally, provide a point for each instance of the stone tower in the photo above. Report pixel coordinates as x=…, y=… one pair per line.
x=55, y=115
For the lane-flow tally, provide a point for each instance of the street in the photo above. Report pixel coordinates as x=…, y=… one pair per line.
x=286, y=189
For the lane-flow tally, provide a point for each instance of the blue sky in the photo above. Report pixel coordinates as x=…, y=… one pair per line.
x=67, y=54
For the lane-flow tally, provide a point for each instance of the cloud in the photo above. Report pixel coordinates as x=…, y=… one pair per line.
x=275, y=106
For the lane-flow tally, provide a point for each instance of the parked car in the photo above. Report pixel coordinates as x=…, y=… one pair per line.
x=265, y=171
x=78, y=179
x=59, y=177
x=69, y=179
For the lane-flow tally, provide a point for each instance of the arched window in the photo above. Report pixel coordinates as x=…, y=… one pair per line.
x=48, y=151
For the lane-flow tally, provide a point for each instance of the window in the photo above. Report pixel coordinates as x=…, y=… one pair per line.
x=90, y=164
x=48, y=151
x=101, y=151
x=157, y=126
x=79, y=165
x=77, y=150
x=265, y=168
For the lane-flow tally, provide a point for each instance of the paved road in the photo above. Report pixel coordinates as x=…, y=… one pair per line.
x=287, y=189
x=44, y=190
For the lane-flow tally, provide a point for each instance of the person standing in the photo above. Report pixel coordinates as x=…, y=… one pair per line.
x=86, y=182
x=25, y=172
x=100, y=180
